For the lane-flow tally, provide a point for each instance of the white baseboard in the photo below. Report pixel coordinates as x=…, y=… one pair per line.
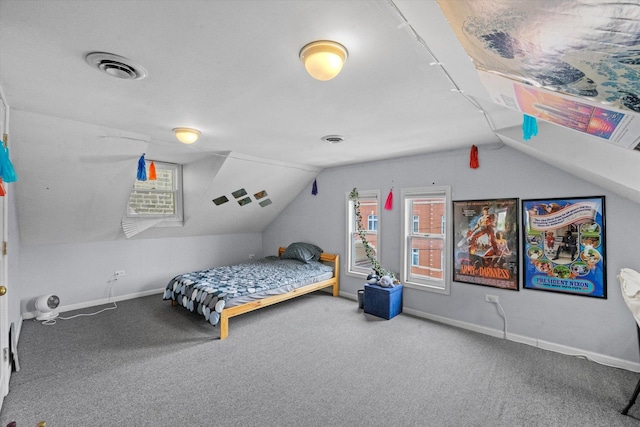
x=545, y=345
x=79, y=306
x=348, y=296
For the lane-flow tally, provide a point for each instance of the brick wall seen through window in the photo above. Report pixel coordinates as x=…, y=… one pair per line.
x=159, y=197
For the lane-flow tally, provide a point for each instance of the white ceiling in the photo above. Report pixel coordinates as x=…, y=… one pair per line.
x=231, y=70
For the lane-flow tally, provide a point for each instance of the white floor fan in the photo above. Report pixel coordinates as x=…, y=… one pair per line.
x=45, y=306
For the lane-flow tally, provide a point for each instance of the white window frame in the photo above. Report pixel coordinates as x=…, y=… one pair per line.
x=176, y=219
x=423, y=283
x=353, y=270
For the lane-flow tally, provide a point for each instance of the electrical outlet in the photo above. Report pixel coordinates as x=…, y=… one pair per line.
x=491, y=298
x=252, y=256
x=119, y=273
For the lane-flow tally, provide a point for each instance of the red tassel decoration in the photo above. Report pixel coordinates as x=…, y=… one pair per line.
x=473, y=158
x=2, y=190
x=152, y=172
x=388, y=205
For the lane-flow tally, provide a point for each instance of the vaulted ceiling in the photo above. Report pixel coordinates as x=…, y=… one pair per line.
x=231, y=70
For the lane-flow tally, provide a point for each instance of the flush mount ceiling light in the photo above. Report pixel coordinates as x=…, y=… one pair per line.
x=187, y=135
x=323, y=59
x=115, y=65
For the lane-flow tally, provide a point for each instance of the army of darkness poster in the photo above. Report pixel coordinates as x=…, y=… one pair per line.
x=564, y=245
x=486, y=242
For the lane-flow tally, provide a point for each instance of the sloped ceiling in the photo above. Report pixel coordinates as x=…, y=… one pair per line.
x=231, y=70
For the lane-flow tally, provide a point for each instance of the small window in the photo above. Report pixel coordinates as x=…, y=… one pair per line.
x=357, y=261
x=159, y=199
x=372, y=222
x=425, y=248
x=415, y=257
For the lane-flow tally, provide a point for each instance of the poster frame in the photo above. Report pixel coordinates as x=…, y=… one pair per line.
x=551, y=264
x=476, y=260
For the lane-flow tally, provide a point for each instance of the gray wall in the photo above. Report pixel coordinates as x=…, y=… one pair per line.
x=82, y=273
x=603, y=329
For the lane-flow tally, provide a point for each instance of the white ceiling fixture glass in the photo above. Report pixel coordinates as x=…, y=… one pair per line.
x=323, y=59
x=187, y=135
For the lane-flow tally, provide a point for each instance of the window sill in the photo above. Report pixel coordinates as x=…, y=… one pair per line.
x=427, y=288
x=363, y=276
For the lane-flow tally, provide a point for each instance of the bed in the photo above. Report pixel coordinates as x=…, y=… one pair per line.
x=221, y=293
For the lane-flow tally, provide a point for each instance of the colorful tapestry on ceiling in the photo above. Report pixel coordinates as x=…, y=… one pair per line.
x=588, y=50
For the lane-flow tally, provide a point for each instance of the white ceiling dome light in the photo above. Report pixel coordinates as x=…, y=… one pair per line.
x=186, y=135
x=46, y=305
x=323, y=59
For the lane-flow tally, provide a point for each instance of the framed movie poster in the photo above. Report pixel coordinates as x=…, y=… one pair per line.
x=486, y=242
x=564, y=246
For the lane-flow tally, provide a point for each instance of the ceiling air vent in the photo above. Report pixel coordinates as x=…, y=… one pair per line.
x=332, y=139
x=115, y=65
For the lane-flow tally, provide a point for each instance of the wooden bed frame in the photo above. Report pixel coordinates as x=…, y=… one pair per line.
x=227, y=313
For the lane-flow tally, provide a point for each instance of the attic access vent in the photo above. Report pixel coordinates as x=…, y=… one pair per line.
x=115, y=65
x=332, y=139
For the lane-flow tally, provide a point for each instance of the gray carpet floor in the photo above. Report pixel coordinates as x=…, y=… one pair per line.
x=312, y=361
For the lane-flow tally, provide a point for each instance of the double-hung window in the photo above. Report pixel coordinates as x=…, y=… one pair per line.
x=357, y=261
x=426, y=249
x=158, y=200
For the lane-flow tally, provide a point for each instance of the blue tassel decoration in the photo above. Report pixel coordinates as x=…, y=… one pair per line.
x=529, y=127
x=142, y=170
x=314, y=189
x=7, y=172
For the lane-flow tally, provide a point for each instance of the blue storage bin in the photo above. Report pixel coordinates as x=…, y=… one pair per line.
x=383, y=302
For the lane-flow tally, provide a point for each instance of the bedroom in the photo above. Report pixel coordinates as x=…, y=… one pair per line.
x=65, y=211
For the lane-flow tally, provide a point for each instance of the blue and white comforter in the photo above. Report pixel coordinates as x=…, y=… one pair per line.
x=207, y=292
